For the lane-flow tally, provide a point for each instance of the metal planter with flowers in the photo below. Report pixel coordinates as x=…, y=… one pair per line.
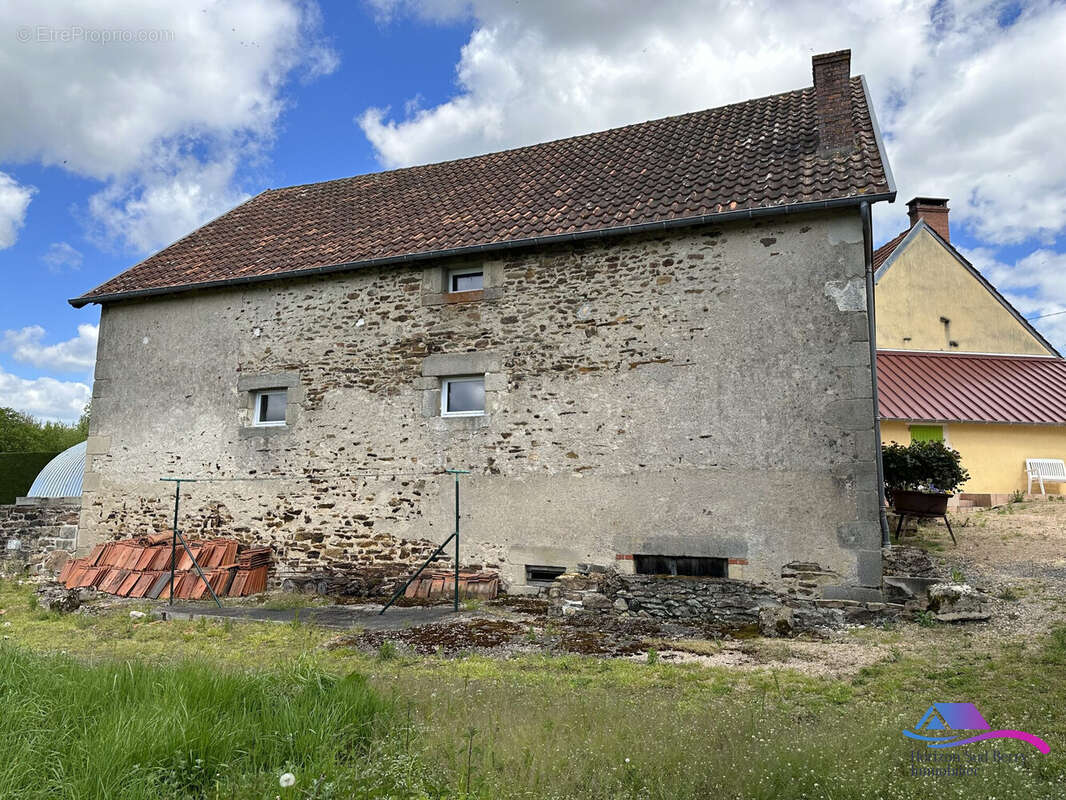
x=921, y=477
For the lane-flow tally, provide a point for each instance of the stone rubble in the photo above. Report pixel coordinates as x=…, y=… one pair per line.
x=719, y=604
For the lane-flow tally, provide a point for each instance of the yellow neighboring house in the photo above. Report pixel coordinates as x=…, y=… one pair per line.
x=957, y=362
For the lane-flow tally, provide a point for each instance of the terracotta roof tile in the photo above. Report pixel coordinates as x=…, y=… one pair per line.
x=950, y=387
x=754, y=155
x=882, y=253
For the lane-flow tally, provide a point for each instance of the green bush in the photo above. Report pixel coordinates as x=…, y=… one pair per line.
x=17, y=473
x=923, y=467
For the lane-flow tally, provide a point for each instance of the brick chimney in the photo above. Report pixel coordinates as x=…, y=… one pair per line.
x=934, y=210
x=832, y=92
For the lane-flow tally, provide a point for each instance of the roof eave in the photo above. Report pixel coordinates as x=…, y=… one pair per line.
x=509, y=244
x=889, y=178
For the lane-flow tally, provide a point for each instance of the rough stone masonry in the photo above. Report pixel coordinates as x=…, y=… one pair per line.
x=36, y=530
x=702, y=392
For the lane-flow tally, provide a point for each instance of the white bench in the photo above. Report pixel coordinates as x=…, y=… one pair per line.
x=1052, y=470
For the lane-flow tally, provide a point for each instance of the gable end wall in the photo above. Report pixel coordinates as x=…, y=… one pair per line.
x=704, y=393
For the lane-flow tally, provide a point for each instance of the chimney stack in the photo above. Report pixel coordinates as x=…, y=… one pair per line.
x=934, y=210
x=832, y=92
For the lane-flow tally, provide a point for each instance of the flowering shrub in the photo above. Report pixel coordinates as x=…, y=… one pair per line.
x=923, y=467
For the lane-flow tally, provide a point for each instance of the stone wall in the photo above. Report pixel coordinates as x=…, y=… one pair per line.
x=704, y=392
x=34, y=528
x=721, y=605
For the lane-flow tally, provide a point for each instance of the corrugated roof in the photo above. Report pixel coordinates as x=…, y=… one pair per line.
x=962, y=387
x=61, y=477
x=757, y=155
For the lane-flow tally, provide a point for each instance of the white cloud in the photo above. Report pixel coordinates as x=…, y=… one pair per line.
x=541, y=70
x=969, y=99
x=14, y=200
x=967, y=93
x=60, y=256
x=161, y=123
x=980, y=123
x=160, y=205
x=74, y=355
x=1035, y=285
x=46, y=398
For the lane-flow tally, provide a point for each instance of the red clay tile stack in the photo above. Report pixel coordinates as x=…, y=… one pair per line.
x=441, y=583
x=141, y=568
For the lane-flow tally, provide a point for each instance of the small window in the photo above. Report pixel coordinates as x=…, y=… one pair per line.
x=695, y=566
x=270, y=407
x=462, y=397
x=542, y=576
x=466, y=280
x=927, y=433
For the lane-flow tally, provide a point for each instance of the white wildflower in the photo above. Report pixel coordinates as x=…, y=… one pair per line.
x=287, y=780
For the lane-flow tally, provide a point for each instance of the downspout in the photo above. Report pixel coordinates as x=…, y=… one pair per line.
x=871, y=319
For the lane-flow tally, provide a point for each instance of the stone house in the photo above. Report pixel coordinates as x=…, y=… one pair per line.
x=958, y=363
x=650, y=346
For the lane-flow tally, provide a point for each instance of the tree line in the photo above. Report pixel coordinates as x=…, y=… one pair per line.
x=21, y=433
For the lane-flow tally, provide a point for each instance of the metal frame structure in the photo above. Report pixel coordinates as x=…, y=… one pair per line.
x=176, y=536
x=437, y=552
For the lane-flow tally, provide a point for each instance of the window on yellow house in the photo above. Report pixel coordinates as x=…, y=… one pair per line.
x=927, y=433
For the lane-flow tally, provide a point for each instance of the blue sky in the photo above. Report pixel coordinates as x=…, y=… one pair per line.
x=119, y=147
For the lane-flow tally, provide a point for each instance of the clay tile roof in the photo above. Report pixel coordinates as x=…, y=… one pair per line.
x=882, y=253
x=958, y=387
x=760, y=154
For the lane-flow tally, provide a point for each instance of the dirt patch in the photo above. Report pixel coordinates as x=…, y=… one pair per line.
x=1016, y=554
x=815, y=659
x=523, y=604
x=446, y=637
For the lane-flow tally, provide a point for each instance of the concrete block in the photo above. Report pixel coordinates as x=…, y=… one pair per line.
x=445, y=364
x=495, y=382
x=861, y=594
x=851, y=354
x=858, y=326
x=98, y=445
x=856, y=535
x=850, y=415
x=431, y=403
x=869, y=566
x=268, y=380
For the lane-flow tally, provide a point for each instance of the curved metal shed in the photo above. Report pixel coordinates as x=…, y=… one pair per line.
x=61, y=477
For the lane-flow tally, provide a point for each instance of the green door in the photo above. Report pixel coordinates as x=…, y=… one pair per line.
x=927, y=433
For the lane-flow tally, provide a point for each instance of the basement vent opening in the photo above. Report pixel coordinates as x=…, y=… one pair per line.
x=694, y=566
x=542, y=576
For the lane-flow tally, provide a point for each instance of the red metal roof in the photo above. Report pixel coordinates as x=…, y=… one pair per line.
x=963, y=387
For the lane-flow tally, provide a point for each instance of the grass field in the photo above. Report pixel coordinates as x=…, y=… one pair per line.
x=99, y=707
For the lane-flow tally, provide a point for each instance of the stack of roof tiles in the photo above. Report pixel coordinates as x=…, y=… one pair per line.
x=141, y=568
x=441, y=583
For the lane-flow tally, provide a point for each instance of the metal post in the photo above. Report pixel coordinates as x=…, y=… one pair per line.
x=174, y=539
x=438, y=551
x=174, y=536
x=457, y=473
x=456, y=604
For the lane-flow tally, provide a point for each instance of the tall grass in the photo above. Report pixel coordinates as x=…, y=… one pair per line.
x=571, y=735
x=129, y=731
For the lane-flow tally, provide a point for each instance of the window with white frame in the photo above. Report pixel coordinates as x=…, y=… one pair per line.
x=462, y=397
x=466, y=280
x=269, y=407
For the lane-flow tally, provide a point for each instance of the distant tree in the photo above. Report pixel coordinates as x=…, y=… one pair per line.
x=82, y=424
x=21, y=433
